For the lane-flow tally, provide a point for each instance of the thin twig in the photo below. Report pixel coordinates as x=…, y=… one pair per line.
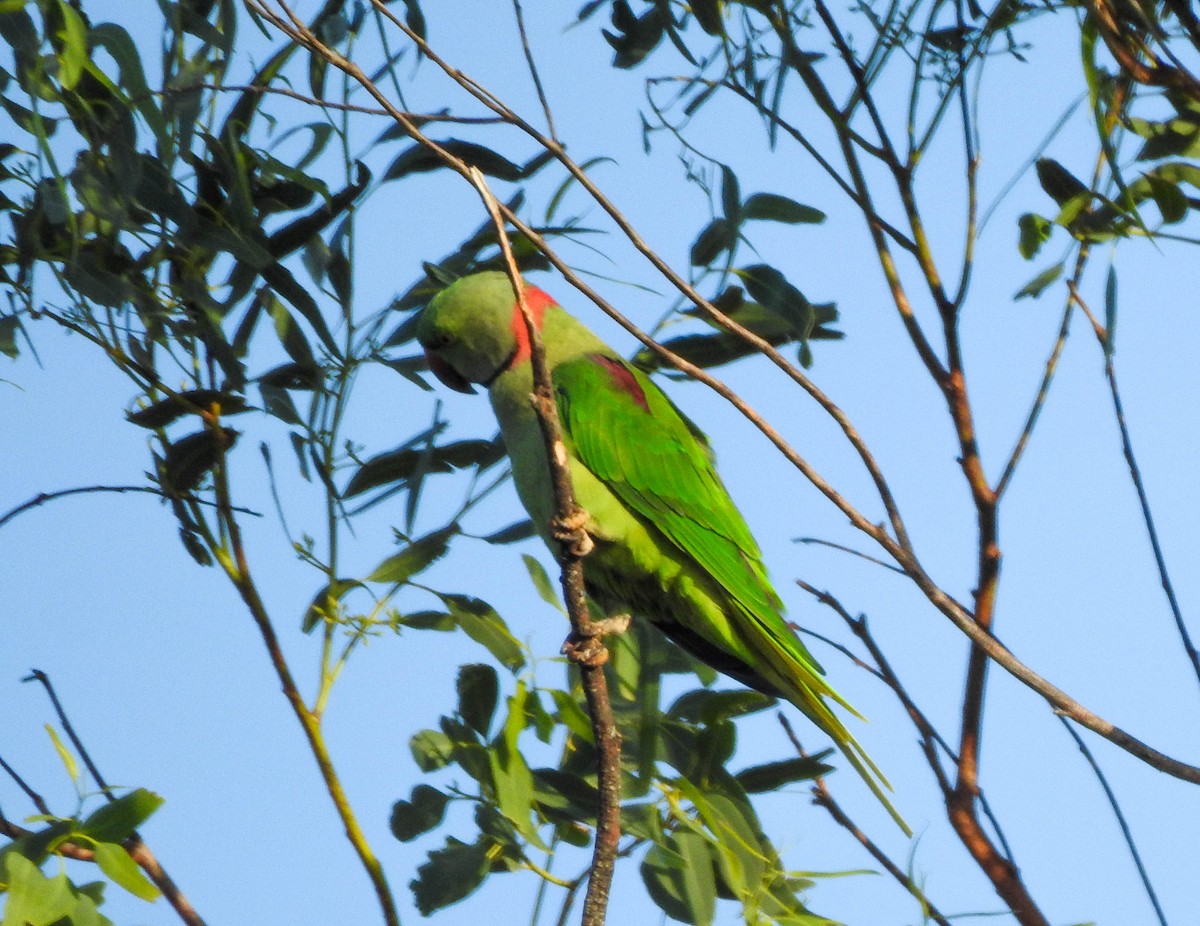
x=42, y=497
x=930, y=737
x=533, y=71
x=585, y=647
x=133, y=844
x=845, y=549
x=1135, y=474
x=823, y=798
x=418, y=118
x=1121, y=821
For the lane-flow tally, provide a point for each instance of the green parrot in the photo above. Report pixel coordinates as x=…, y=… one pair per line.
x=669, y=544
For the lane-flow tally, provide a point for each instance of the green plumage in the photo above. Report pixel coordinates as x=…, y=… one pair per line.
x=670, y=546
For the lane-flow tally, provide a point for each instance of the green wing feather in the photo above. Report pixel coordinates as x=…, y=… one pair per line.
x=630, y=435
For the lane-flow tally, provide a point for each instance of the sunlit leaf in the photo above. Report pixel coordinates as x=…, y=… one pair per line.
x=115, y=862
x=117, y=819
x=1038, y=284
x=414, y=558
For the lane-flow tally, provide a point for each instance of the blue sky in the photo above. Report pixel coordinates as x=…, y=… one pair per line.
x=168, y=682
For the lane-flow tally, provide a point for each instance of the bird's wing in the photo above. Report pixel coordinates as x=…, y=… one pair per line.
x=658, y=463
x=630, y=435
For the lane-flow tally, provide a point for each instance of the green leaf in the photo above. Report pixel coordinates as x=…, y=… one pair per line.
x=731, y=197
x=770, y=288
x=419, y=159
x=704, y=705
x=696, y=876
x=1110, y=311
x=115, y=862
x=431, y=750
x=511, y=776
x=278, y=404
x=1035, y=231
x=718, y=236
x=565, y=795
x=571, y=715
x=9, y=325
x=450, y=874
x=541, y=581
x=290, y=335
x=478, y=692
x=32, y=897
x=414, y=558
x=770, y=776
x=71, y=46
x=1058, y=182
x=662, y=873
x=424, y=810
x=1035, y=286
x=1171, y=201
x=64, y=754
x=520, y=530
x=481, y=623
x=190, y=402
x=190, y=458
x=116, y=820
x=708, y=15
x=774, y=208
x=398, y=465
x=737, y=837
x=324, y=605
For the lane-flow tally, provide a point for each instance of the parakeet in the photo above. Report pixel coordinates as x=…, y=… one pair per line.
x=669, y=544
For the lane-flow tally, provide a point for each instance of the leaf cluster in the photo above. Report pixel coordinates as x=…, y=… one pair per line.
x=689, y=820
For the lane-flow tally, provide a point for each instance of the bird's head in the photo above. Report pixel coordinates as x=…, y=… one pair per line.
x=473, y=331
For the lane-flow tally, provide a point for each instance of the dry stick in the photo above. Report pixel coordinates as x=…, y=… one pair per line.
x=584, y=647
x=1121, y=821
x=823, y=798
x=958, y=615
x=134, y=844
x=1135, y=474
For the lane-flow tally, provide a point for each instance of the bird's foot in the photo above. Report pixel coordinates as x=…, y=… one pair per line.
x=587, y=648
x=571, y=532
x=587, y=651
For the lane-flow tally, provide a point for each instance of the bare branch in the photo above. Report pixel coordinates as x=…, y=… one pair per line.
x=1121, y=821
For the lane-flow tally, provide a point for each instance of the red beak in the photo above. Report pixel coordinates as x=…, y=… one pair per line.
x=447, y=374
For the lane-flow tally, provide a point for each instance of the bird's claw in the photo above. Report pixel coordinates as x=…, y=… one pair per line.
x=587, y=651
x=571, y=532
x=588, y=647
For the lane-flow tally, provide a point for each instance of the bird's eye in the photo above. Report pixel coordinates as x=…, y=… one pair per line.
x=441, y=339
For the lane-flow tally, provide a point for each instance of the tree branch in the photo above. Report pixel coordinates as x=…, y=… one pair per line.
x=585, y=647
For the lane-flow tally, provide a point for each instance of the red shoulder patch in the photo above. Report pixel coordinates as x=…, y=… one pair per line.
x=538, y=301
x=622, y=377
